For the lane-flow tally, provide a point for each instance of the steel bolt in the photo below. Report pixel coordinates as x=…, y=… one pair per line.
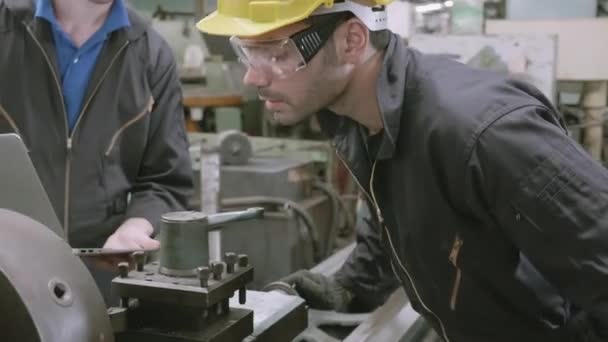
x=139, y=259
x=203, y=276
x=243, y=260
x=242, y=295
x=217, y=268
x=123, y=269
x=231, y=260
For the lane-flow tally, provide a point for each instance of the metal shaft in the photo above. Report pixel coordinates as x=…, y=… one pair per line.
x=242, y=296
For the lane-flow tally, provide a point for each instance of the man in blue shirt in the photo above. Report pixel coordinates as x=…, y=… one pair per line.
x=93, y=91
x=80, y=30
x=78, y=44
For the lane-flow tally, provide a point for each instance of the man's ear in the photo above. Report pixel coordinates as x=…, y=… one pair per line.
x=352, y=41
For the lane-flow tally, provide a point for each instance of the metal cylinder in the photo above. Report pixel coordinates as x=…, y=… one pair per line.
x=242, y=295
x=184, y=243
x=235, y=147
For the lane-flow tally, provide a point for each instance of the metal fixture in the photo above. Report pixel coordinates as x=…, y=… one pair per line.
x=186, y=240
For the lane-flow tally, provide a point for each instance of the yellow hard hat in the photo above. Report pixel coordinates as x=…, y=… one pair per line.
x=248, y=18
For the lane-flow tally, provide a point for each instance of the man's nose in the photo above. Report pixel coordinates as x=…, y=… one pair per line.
x=255, y=77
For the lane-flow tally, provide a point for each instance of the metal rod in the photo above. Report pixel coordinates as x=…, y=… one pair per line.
x=217, y=220
x=242, y=296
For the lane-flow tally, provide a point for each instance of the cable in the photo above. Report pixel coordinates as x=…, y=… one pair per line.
x=338, y=206
x=287, y=204
x=335, y=221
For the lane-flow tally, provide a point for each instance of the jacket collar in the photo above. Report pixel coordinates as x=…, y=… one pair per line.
x=344, y=132
x=23, y=11
x=391, y=86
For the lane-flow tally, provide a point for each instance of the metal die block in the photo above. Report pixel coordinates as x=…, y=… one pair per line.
x=235, y=326
x=152, y=286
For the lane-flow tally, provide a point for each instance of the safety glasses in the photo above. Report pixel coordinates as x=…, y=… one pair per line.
x=282, y=58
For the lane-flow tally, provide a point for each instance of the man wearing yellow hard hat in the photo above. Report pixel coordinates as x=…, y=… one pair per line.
x=493, y=220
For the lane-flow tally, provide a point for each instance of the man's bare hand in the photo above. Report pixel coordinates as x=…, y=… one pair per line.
x=133, y=234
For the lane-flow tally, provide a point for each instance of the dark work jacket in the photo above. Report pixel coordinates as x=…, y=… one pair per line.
x=492, y=218
x=129, y=142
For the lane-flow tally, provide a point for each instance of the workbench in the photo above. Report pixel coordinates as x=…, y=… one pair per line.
x=199, y=96
x=228, y=102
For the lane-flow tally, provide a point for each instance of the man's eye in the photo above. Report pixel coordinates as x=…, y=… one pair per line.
x=279, y=57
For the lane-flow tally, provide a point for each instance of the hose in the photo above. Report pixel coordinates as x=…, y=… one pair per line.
x=335, y=213
x=311, y=227
x=348, y=216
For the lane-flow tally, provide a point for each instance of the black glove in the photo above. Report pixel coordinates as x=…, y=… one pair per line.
x=319, y=291
x=580, y=328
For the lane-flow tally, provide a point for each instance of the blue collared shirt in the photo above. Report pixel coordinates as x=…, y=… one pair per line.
x=76, y=64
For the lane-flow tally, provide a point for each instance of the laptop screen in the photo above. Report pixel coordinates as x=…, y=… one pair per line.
x=21, y=189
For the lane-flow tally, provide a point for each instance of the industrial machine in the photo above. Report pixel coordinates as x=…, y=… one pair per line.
x=181, y=297
x=286, y=177
x=177, y=300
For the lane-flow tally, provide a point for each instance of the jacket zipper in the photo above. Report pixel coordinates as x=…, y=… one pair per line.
x=69, y=137
x=10, y=120
x=372, y=198
x=128, y=124
x=69, y=142
x=458, y=242
x=390, y=241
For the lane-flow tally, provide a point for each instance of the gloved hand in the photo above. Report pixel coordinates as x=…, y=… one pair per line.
x=319, y=291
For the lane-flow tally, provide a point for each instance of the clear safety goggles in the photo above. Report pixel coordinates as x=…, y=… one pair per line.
x=283, y=57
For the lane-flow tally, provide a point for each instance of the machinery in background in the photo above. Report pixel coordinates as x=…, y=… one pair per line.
x=214, y=97
x=289, y=179
x=583, y=87
x=182, y=297
x=530, y=58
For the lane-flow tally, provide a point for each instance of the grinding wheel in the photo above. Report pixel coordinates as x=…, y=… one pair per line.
x=46, y=292
x=235, y=147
